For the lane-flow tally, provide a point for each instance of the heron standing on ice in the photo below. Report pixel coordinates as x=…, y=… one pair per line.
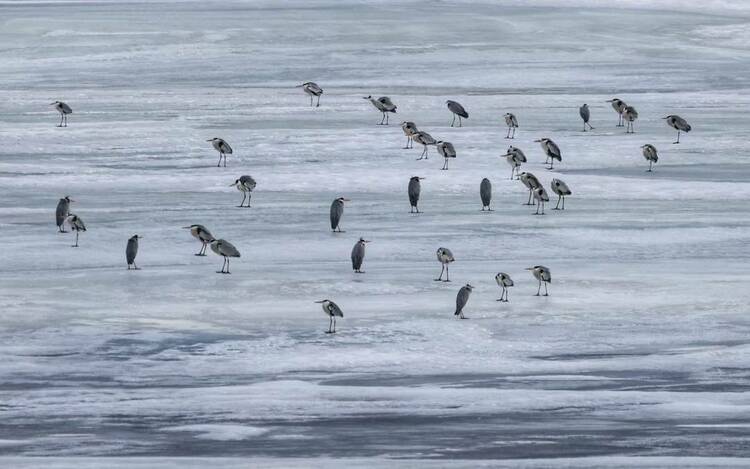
x=424, y=139
x=226, y=250
x=384, y=105
x=629, y=114
x=542, y=274
x=503, y=281
x=512, y=123
x=222, y=147
x=445, y=257
x=415, y=188
x=531, y=183
x=552, y=151
x=446, y=150
x=64, y=110
x=618, y=105
x=649, y=152
x=358, y=255
x=562, y=190
x=312, y=89
x=77, y=225
x=679, y=124
x=410, y=129
x=585, y=114
x=485, y=193
x=541, y=197
x=62, y=212
x=131, y=250
x=461, y=299
x=337, y=211
x=333, y=311
x=457, y=110
x=202, y=234
x=245, y=184
x=515, y=157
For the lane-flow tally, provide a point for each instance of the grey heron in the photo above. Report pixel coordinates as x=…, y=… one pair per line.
x=512, y=123
x=515, y=157
x=503, y=281
x=562, y=190
x=77, y=225
x=649, y=152
x=409, y=128
x=485, y=193
x=542, y=274
x=62, y=212
x=531, y=183
x=415, y=188
x=131, y=250
x=445, y=257
x=461, y=299
x=457, y=110
x=629, y=115
x=424, y=139
x=312, y=89
x=679, y=124
x=384, y=105
x=550, y=149
x=333, y=311
x=222, y=147
x=358, y=255
x=541, y=197
x=202, y=234
x=64, y=110
x=618, y=105
x=337, y=210
x=245, y=184
x=226, y=250
x=585, y=114
x=446, y=150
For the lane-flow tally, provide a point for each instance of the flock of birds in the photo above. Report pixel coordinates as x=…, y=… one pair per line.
x=627, y=115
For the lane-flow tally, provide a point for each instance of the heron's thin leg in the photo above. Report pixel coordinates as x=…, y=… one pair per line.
x=508, y=134
x=244, y=195
x=334, y=324
x=219, y=163
x=454, y=120
x=318, y=104
x=584, y=126
x=563, y=199
x=330, y=324
x=590, y=127
x=650, y=164
x=460, y=124
x=514, y=132
x=537, y=209
x=545, y=289
x=135, y=266
x=512, y=169
x=442, y=269
x=447, y=273
x=539, y=288
x=557, y=207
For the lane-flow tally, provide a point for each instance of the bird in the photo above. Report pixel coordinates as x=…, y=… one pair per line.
x=585, y=114
x=415, y=187
x=485, y=193
x=384, y=105
x=649, y=152
x=222, y=147
x=226, y=250
x=504, y=281
x=62, y=212
x=541, y=196
x=245, y=184
x=550, y=149
x=445, y=257
x=132, y=250
x=512, y=123
x=337, y=210
x=542, y=274
x=333, y=311
x=531, y=182
x=424, y=139
x=515, y=157
x=409, y=128
x=457, y=110
x=202, y=234
x=629, y=114
x=461, y=299
x=678, y=123
x=312, y=89
x=64, y=110
x=77, y=225
x=562, y=190
x=358, y=255
x=446, y=150
x=618, y=105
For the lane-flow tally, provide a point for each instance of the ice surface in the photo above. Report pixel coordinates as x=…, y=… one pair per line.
x=638, y=358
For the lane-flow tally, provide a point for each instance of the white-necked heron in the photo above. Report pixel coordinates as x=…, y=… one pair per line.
x=312, y=89
x=337, y=210
x=415, y=188
x=485, y=193
x=245, y=184
x=132, y=250
x=550, y=149
x=679, y=124
x=514, y=156
x=542, y=274
x=424, y=139
x=202, y=234
x=222, y=147
x=447, y=151
x=562, y=190
x=64, y=110
x=457, y=110
x=77, y=225
x=384, y=105
x=62, y=212
x=649, y=152
x=358, y=255
x=531, y=182
x=445, y=257
x=226, y=250
x=333, y=311
x=503, y=281
x=585, y=114
x=629, y=115
x=618, y=105
x=410, y=129
x=541, y=197
x=512, y=123
x=461, y=299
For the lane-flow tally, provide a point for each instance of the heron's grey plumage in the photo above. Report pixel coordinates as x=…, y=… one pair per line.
x=410, y=129
x=541, y=197
x=512, y=123
x=62, y=211
x=461, y=299
x=64, y=110
x=543, y=275
x=446, y=150
x=202, y=234
x=131, y=251
x=457, y=110
x=629, y=115
x=619, y=106
x=679, y=124
x=337, y=210
x=226, y=250
x=445, y=257
x=415, y=188
x=77, y=225
x=531, y=182
x=358, y=255
x=222, y=147
x=504, y=281
x=514, y=156
x=245, y=184
x=485, y=193
x=550, y=149
x=424, y=139
x=384, y=105
x=585, y=114
x=651, y=155
x=333, y=311
x=562, y=190
x=312, y=89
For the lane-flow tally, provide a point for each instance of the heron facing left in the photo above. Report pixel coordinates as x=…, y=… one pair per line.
x=312, y=89
x=384, y=105
x=131, y=250
x=77, y=225
x=202, y=234
x=543, y=275
x=461, y=299
x=222, y=147
x=245, y=184
x=64, y=110
x=457, y=110
x=447, y=151
x=550, y=149
x=333, y=311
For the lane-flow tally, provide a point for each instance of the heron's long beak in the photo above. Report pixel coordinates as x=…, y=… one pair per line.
x=233, y=184
x=610, y=101
x=300, y=86
x=186, y=227
x=422, y=178
x=366, y=240
x=665, y=117
x=529, y=268
x=347, y=200
x=538, y=141
x=210, y=140
x=365, y=97
x=321, y=301
x=507, y=154
x=52, y=104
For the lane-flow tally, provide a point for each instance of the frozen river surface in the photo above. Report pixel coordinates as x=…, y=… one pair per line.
x=640, y=356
